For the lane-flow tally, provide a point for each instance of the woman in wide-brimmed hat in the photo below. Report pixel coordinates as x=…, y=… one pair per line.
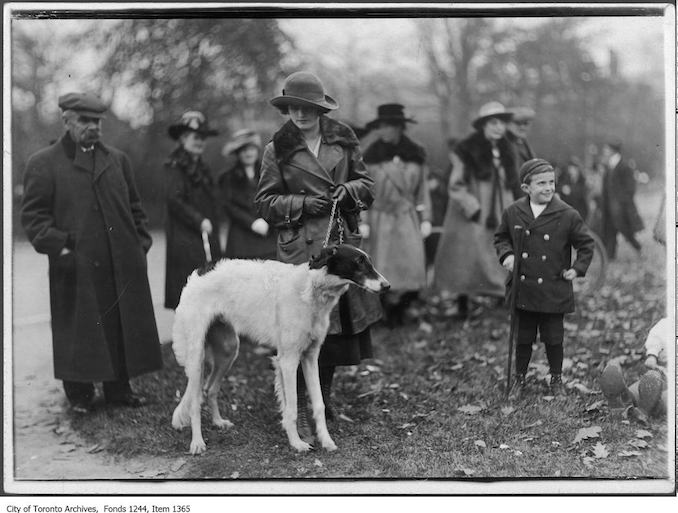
x=483, y=182
x=249, y=236
x=192, y=207
x=312, y=161
x=400, y=218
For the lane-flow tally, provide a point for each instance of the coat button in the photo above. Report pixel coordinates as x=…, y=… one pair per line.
x=524, y=255
x=309, y=241
x=527, y=232
x=540, y=281
x=302, y=191
x=546, y=236
x=543, y=257
x=522, y=277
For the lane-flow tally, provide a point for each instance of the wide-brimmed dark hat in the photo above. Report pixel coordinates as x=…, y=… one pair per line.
x=490, y=110
x=191, y=121
x=305, y=88
x=389, y=113
x=85, y=104
x=240, y=139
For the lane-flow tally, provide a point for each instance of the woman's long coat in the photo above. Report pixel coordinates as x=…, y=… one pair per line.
x=289, y=172
x=546, y=251
x=465, y=262
x=99, y=292
x=401, y=202
x=190, y=199
x=237, y=193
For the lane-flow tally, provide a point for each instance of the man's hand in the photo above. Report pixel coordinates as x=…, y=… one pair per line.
x=316, y=205
x=364, y=230
x=260, y=227
x=569, y=274
x=508, y=263
x=206, y=226
x=425, y=228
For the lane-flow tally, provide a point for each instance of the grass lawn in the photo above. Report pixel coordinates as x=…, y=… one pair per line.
x=431, y=404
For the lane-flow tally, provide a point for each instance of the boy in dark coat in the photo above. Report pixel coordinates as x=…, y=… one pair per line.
x=551, y=228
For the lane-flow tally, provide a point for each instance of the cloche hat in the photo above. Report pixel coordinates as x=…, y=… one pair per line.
x=490, y=110
x=306, y=88
x=194, y=121
x=240, y=139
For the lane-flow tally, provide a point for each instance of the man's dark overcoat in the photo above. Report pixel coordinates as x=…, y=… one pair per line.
x=237, y=193
x=190, y=192
x=289, y=172
x=619, y=209
x=88, y=202
x=546, y=252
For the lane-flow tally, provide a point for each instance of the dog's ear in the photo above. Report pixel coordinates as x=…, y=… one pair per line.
x=321, y=259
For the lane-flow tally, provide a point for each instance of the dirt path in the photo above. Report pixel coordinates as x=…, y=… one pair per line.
x=44, y=446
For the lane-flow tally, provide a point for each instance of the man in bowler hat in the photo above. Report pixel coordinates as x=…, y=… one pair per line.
x=81, y=208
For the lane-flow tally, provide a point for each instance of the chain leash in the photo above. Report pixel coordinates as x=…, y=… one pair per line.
x=340, y=225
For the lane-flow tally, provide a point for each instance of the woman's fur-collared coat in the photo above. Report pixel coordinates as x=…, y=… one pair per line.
x=402, y=201
x=545, y=253
x=289, y=172
x=99, y=292
x=190, y=200
x=465, y=262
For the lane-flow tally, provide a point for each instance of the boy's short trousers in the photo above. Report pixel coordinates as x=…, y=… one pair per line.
x=550, y=326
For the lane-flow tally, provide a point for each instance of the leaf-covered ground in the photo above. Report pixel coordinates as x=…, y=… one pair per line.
x=432, y=405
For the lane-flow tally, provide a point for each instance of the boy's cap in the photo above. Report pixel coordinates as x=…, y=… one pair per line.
x=534, y=167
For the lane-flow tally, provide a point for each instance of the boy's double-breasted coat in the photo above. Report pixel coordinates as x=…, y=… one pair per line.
x=546, y=252
x=99, y=293
x=289, y=172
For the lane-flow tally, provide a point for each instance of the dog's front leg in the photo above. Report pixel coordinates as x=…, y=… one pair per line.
x=309, y=365
x=288, y=375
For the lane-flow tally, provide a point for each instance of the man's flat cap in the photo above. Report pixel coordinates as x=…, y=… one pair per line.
x=85, y=104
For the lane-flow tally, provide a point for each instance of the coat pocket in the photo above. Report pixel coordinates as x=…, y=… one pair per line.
x=292, y=247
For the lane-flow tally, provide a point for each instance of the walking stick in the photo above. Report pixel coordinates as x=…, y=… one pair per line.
x=206, y=247
x=517, y=250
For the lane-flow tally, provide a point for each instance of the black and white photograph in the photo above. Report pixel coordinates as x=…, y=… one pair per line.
x=337, y=249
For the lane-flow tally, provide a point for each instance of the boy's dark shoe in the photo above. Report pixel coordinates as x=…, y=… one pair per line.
x=556, y=387
x=519, y=387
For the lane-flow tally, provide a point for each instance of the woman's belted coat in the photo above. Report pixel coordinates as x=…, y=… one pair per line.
x=289, y=172
x=190, y=193
x=99, y=292
x=465, y=262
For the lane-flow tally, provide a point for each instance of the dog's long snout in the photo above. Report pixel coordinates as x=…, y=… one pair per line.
x=376, y=283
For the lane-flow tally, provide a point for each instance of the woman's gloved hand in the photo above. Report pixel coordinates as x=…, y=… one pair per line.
x=316, y=205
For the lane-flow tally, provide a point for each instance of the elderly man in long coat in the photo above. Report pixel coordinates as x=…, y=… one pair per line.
x=81, y=208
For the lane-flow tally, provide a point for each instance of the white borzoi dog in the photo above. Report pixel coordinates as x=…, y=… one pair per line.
x=283, y=306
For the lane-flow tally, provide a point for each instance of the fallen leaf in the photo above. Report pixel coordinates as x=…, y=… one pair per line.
x=480, y=443
x=317, y=463
x=595, y=406
x=628, y=454
x=425, y=327
x=464, y=471
x=406, y=425
x=178, y=464
x=582, y=388
x=469, y=409
x=600, y=451
x=555, y=444
x=641, y=433
x=152, y=472
x=457, y=366
x=394, y=385
x=503, y=446
x=507, y=410
x=372, y=368
x=548, y=398
x=639, y=444
x=95, y=448
x=589, y=432
x=534, y=424
x=235, y=475
x=518, y=453
x=421, y=344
